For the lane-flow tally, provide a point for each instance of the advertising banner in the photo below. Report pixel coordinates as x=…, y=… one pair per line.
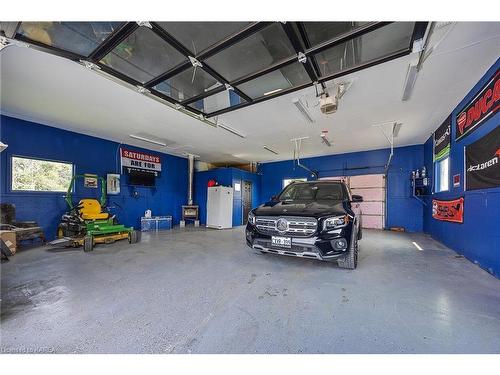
x=483, y=106
x=139, y=161
x=442, y=137
x=482, y=167
x=452, y=210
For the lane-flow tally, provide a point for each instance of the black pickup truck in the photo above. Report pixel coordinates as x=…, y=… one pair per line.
x=311, y=220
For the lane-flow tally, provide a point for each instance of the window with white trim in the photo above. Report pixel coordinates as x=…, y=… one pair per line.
x=40, y=175
x=442, y=173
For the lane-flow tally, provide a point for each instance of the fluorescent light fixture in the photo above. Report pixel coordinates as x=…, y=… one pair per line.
x=232, y=130
x=214, y=86
x=148, y=140
x=3, y=146
x=411, y=77
x=417, y=246
x=303, y=110
x=325, y=140
x=270, y=150
x=395, y=129
x=272, y=92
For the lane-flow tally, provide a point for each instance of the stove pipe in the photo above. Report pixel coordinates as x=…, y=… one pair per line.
x=190, y=178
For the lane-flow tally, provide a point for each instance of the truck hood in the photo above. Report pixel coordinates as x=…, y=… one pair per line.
x=301, y=208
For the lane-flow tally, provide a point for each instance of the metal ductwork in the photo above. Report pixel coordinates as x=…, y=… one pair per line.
x=190, y=211
x=190, y=178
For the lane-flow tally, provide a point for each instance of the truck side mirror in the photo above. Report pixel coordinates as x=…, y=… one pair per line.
x=274, y=198
x=356, y=198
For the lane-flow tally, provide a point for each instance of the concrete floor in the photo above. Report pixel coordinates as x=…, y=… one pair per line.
x=204, y=291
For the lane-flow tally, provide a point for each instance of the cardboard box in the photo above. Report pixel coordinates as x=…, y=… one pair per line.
x=9, y=238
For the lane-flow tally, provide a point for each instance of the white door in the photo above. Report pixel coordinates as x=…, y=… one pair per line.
x=372, y=188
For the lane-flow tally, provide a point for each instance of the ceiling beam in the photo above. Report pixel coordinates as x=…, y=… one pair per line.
x=307, y=44
x=299, y=49
x=253, y=28
x=50, y=49
x=112, y=41
x=184, y=51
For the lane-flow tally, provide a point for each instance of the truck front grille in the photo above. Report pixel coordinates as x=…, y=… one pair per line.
x=296, y=226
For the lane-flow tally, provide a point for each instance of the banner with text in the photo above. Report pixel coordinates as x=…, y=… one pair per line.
x=483, y=106
x=442, y=137
x=139, y=161
x=448, y=210
x=482, y=167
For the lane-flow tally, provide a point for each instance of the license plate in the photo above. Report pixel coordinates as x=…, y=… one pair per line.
x=281, y=241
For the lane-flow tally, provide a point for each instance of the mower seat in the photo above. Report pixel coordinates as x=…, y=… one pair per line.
x=90, y=209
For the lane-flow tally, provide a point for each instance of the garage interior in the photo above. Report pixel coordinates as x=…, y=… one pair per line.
x=178, y=130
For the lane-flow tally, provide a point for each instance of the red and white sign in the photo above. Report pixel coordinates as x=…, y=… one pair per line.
x=448, y=210
x=483, y=106
x=139, y=161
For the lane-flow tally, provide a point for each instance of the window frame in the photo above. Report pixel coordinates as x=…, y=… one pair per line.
x=437, y=176
x=10, y=175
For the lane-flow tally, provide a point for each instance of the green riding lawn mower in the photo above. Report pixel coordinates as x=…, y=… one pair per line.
x=86, y=224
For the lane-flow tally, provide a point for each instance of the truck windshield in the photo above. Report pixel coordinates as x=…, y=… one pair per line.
x=312, y=192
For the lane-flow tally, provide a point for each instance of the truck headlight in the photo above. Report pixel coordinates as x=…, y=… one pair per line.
x=251, y=218
x=335, y=222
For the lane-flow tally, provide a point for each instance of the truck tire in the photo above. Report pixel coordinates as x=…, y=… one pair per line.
x=134, y=237
x=350, y=261
x=88, y=244
x=60, y=232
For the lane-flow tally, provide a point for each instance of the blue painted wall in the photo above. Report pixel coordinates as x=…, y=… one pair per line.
x=478, y=238
x=225, y=177
x=89, y=155
x=403, y=210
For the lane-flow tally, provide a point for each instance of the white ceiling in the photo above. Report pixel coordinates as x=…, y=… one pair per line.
x=47, y=89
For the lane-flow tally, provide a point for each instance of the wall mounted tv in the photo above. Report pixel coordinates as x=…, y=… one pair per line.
x=141, y=178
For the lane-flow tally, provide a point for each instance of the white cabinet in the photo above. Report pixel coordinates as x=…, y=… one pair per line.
x=220, y=207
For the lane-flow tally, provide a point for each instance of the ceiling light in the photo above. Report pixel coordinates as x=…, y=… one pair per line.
x=303, y=110
x=324, y=139
x=395, y=129
x=232, y=130
x=148, y=140
x=270, y=150
x=272, y=92
x=214, y=86
x=411, y=77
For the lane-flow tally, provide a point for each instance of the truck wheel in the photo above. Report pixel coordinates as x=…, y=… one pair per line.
x=60, y=232
x=88, y=244
x=350, y=261
x=134, y=237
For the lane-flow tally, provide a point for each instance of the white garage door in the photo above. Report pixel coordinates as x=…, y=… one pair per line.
x=372, y=188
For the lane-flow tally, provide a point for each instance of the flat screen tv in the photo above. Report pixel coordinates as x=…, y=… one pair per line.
x=141, y=178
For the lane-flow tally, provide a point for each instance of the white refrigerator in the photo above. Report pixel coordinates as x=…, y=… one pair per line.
x=220, y=207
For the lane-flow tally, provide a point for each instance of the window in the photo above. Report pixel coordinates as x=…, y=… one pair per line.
x=288, y=181
x=40, y=175
x=217, y=102
x=77, y=37
x=442, y=173
x=199, y=36
x=278, y=80
x=312, y=192
x=258, y=51
x=143, y=55
x=370, y=47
